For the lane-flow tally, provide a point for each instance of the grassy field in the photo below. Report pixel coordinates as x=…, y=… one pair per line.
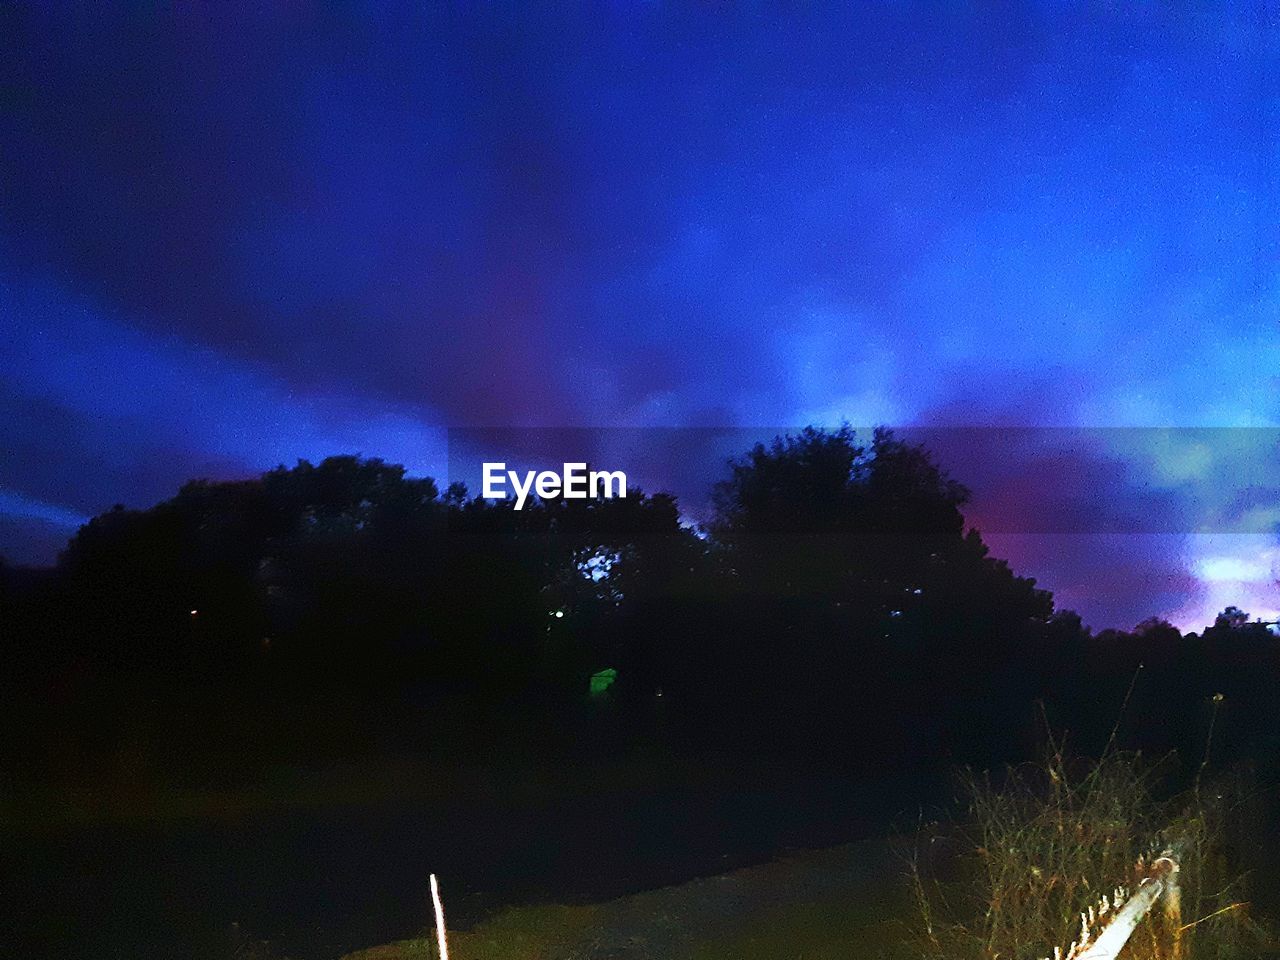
x=309, y=863
x=848, y=901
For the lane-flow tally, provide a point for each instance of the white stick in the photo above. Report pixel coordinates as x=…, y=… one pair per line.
x=435, y=899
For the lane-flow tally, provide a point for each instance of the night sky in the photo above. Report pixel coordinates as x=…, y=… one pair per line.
x=234, y=237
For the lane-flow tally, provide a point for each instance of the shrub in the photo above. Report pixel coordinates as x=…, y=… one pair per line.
x=1046, y=842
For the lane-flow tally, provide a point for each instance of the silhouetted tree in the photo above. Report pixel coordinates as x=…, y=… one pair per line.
x=836, y=604
x=870, y=610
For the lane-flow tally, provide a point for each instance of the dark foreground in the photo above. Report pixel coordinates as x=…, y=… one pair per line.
x=831, y=904
x=315, y=880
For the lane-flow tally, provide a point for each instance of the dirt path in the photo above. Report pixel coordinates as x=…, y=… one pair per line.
x=673, y=921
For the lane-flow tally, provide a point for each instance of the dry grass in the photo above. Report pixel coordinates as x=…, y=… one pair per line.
x=1047, y=841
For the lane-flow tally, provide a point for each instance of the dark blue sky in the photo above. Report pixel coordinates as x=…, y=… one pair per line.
x=231, y=238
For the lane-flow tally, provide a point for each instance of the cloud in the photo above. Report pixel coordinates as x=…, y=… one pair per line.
x=233, y=239
x=1220, y=569
x=1235, y=569
x=24, y=508
x=1125, y=523
x=100, y=413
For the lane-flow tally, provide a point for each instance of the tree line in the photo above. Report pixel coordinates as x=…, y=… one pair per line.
x=835, y=604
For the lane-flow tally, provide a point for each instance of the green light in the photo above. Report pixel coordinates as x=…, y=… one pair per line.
x=602, y=681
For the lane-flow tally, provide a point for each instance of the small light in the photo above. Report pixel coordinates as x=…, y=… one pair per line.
x=559, y=614
x=194, y=612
